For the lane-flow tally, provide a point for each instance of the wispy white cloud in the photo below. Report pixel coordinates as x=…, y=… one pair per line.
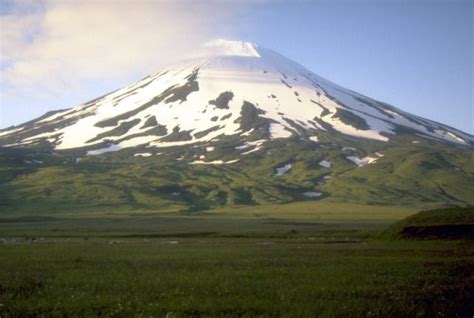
x=57, y=47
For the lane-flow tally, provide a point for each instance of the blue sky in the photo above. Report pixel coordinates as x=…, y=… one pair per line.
x=415, y=55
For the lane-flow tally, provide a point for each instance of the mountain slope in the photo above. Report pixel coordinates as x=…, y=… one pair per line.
x=242, y=126
x=242, y=89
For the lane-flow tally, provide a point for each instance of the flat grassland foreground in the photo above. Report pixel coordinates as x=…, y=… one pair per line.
x=303, y=268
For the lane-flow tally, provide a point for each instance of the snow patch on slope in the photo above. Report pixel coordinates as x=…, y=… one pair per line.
x=257, y=144
x=215, y=162
x=312, y=194
x=110, y=148
x=143, y=154
x=362, y=161
x=282, y=170
x=325, y=164
x=10, y=131
x=278, y=131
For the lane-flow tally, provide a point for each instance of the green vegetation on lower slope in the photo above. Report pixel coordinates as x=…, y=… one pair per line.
x=423, y=175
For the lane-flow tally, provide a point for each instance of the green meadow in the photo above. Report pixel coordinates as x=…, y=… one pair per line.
x=332, y=261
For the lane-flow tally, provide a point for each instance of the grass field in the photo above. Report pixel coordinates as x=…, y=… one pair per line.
x=243, y=263
x=296, y=219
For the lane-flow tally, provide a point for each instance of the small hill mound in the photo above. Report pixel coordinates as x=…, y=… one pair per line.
x=449, y=223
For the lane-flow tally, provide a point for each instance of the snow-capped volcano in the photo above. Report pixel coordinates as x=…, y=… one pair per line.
x=240, y=89
x=239, y=125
